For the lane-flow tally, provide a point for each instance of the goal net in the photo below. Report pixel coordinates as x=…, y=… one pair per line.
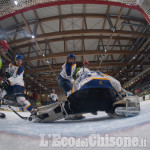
x=10, y=6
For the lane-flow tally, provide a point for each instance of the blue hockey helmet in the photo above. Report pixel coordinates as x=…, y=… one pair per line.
x=19, y=56
x=71, y=55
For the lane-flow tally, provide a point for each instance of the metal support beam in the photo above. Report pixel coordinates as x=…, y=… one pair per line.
x=137, y=25
x=35, y=28
x=112, y=28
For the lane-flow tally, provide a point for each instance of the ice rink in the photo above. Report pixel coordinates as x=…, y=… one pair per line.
x=19, y=134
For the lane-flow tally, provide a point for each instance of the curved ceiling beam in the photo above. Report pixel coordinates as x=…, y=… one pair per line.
x=111, y=64
x=70, y=16
x=77, y=33
x=76, y=38
x=83, y=53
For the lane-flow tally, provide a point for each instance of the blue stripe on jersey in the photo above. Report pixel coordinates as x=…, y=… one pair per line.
x=29, y=108
x=68, y=69
x=97, y=83
x=20, y=70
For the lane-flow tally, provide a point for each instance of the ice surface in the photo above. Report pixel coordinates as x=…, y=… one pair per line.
x=16, y=133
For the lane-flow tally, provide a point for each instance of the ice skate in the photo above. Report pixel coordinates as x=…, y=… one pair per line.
x=127, y=107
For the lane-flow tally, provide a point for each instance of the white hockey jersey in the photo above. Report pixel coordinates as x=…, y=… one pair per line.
x=16, y=74
x=67, y=73
x=93, y=79
x=53, y=96
x=81, y=71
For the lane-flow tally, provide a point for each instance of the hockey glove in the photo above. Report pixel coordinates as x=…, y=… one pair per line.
x=7, y=75
x=5, y=84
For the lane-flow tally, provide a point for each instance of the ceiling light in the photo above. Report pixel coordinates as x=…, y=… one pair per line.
x=133, y=57
x=33, y=36
x=16, y=3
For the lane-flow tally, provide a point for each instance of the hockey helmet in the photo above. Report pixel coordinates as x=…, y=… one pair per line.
x=5, y=46
x=19, y=56
x=71, y=55
x=85, y=62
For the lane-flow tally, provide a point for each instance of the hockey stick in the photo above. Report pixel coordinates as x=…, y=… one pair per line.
x=25, y=118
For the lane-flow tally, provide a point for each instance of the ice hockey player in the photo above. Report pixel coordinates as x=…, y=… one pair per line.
x=14, y=84
x=4, y=47
x=86, y=64
x=92, y=91
x=65, y=78
x=84, y=68
x=53, y=97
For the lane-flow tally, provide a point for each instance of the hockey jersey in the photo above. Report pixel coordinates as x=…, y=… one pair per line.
x=68, y=71
x=16, y=74
x=53, y=96
x=93, y=79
